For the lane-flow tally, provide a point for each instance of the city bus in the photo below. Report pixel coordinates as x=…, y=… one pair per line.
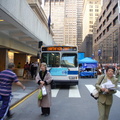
x=61, y=63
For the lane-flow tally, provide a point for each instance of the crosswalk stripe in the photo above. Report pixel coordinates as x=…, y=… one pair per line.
x=90, y=87
x=74, y=92
x=118, y=85
x=117, y=93
x=55, y=92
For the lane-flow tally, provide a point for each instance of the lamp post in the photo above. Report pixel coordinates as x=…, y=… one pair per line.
x=99, y=54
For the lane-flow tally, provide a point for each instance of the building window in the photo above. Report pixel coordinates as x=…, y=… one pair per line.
x=100, y=27
x=108, y=6
x=108, y=27
x=91, y=14
x=104, y=32
x=96, y=10
x=91, y=22
x=115, y=8
x=96, y=14
x=103, y=22
x=108, y=16
x=97, y=31
x=90, y=10
x=97, y=38
x=91, y=6
x=100, y=18
x=90, y=30
x=91, y=26
x=115, y=21
x=90, y=2
x=96, y=6
x=104, y=13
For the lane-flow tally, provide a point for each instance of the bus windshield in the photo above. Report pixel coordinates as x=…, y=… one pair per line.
x=52, y=59
x=69, y=60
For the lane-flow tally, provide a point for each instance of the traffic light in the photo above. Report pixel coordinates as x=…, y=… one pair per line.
x=40, y=44
x=38, y=55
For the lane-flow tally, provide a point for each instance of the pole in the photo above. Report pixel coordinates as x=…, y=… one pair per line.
x=49, y=19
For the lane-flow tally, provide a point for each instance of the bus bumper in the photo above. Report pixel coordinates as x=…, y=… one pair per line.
x=66, y=82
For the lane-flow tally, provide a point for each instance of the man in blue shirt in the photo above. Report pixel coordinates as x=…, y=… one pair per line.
x=7, y=77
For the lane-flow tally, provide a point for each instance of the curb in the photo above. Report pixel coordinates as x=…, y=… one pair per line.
x=22, y=99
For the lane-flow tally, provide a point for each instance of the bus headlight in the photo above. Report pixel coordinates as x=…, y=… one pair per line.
x=73, y=77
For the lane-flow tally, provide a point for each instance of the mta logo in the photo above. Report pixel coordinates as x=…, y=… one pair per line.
x=64, y=72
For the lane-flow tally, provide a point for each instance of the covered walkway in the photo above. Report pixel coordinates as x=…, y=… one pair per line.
x=20, y=31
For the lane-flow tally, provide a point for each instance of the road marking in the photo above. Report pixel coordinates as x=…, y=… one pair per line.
x=90, y=88
x=21, y=101
x=117, y=93
x=118, y=85
x=55, y=92
x=74, y=92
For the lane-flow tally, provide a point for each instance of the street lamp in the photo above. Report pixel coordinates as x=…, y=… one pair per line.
x=99, y=54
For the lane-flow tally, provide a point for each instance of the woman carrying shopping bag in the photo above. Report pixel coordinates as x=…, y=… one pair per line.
x=44, y=79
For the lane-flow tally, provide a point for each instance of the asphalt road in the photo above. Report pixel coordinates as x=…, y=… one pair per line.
x=74, y=103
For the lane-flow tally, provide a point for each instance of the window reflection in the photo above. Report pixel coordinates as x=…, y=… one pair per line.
x=69, y=60
x=52, y=59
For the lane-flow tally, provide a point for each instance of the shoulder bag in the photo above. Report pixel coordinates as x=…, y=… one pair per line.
x=95, y=92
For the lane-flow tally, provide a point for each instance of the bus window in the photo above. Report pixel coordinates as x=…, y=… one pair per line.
x=51, y=59
x=69, y=60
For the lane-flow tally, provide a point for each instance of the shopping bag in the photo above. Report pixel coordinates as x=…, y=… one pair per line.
x=44, y=91
x=40, y=94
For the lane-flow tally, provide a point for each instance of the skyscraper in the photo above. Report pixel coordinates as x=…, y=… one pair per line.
x=91, y=10
x=66, y=21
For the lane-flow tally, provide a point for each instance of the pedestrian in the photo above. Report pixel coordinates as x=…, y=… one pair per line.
x=106, y=86
x=7, y=77
x=44, y=78
x=26, y=71
x=35, y=68
x=118, y=73
x=32, y=70
x=99, y=70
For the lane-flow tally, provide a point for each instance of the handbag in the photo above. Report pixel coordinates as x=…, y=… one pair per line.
x=95, y=92
x=44, y=91
x=40, y=94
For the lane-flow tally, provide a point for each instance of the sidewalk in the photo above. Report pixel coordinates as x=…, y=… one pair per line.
x=19, y=93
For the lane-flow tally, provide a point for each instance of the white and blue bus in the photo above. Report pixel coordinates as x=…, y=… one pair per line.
x=62, y=63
